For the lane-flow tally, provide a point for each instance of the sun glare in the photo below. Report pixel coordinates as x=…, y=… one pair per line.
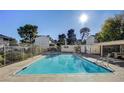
x=83, y=18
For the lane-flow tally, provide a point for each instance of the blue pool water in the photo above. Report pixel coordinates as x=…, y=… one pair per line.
x=62, y=64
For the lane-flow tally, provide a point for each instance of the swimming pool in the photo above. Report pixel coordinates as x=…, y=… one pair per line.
x=62, y=64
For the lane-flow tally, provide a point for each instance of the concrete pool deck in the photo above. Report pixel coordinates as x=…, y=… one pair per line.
x=7, y=74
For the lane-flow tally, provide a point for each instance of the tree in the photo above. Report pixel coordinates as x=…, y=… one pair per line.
x=55, y=41
x=61, y=39
x=71, y=40
x=84, y=32
x=113, y=29
x=28, y=33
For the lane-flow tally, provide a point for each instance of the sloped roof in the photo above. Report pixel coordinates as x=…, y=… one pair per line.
x=6, y=37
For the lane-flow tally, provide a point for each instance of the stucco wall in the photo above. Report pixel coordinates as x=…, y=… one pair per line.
x=83, y=48
x=68, y=48
x=90, y=49
x=95, y=49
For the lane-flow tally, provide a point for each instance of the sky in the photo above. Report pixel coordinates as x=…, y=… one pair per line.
x=53, y=22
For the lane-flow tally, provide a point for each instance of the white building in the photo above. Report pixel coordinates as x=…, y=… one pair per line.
x=5, y=40
x=91, y=40
x=43, y=41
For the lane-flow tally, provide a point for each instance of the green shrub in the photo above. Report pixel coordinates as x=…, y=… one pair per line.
x=15, y=56
x=1, y=60
x=33, y=51
x=77, y=49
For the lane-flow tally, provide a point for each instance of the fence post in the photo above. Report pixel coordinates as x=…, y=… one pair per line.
x=32, y=50
x=4, y=53
x=22, y=52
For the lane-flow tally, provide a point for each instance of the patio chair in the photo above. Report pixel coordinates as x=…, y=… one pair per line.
x=109, y=59
x=116, y=54
x=113, y=60
x=104, y=60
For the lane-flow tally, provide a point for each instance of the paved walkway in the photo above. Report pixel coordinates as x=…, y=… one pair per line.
x=7, y=74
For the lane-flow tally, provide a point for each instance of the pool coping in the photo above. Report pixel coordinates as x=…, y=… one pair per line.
x=81, y=57
x=6, y=74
